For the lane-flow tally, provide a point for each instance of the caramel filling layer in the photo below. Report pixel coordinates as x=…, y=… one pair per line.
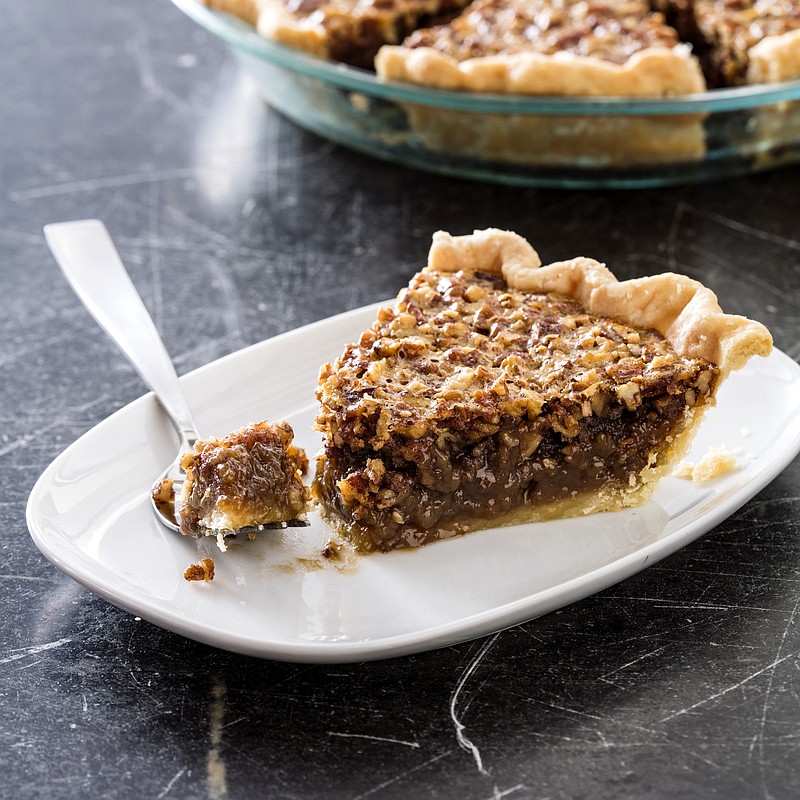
x=418, y=493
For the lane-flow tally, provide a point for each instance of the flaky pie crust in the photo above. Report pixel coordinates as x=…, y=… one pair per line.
x=275, y=22
x=654, y=72
x=682, y=310
x=775, y=59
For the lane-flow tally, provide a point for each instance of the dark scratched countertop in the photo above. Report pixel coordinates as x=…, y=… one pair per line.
x=680, y=682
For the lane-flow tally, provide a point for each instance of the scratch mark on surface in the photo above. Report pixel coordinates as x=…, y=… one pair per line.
x=498, y=795
x=55, y=423
x=155, y=254
x=522, y=629
x=373, y=738
x=215, y=766
x=689, y=605
x=768, y=692
x=758, y=233
x=463, y=742
x=21, y=236
x=24, y=354
x=165, y=791
x=729, y=689
x=752, y=278
x=148, y=76
x=672, y=235
x=29, y=651
x=24, y=578
x=635, y=661
x=737, y=575
x=175, y=173
x=233, y=302
x=92, y=184
x=402, y=775
x=234, y=722
x=583, y=714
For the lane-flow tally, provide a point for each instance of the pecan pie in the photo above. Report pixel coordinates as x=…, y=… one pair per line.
x=351, y=31
x=552, y=47
x=549, y=47
x=632, y=51
x=251, y=477
x=741, y=41
x=498, y=391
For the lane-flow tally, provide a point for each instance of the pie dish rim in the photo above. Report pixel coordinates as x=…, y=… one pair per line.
x=245, y=40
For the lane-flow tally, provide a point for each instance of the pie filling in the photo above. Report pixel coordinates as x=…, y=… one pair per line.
x=356, y=35
x=472, y=404
x=251, y=477
x=522, y=473
x=610, y=31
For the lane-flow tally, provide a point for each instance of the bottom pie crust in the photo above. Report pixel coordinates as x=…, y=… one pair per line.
x=557, y=140
x=553, y=140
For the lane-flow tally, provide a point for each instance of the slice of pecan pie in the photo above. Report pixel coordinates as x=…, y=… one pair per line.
x=498, y=391
x=251, y=477
x=350, y=31
x=741, y=41
x=549, y=47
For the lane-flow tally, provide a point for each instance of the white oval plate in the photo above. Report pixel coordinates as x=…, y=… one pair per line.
x=276, y=597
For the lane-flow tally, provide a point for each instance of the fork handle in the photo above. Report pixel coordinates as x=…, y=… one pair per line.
x=90, y=262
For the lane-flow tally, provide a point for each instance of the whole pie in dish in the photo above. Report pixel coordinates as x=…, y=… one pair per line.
x=559, y=48
x=251, y=477
x=497, y=391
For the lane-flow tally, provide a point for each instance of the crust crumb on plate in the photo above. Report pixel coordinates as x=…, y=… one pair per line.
x=712, y=465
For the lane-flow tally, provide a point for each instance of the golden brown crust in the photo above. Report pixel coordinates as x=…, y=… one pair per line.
x=775, y=59
x=247, y=10
x=545, y=140
x=655, y=72
x=275, y=22
x=682, y=310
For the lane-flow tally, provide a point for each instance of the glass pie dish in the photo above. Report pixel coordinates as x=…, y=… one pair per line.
x=516, y=139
